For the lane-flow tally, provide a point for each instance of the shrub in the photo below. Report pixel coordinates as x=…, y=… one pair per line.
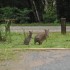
x=50, y=12
x=15, y=13
x=22, y=15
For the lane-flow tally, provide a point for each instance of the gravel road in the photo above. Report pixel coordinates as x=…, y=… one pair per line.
x=39, y=60
x=37, y=28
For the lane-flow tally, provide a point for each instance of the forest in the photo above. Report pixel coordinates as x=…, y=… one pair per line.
x=34, y=10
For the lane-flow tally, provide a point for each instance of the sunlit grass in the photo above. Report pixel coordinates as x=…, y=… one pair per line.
x=55, y=40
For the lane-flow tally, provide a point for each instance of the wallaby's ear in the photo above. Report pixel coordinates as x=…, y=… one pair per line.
x=46, y=30
x=24, y=33
x=30, y=32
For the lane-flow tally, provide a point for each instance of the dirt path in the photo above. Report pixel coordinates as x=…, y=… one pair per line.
x=37, y=28
x=39, y=60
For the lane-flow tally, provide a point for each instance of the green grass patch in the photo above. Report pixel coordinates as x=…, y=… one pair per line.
x=8, y=50
x=8, y=54
x=55, y=40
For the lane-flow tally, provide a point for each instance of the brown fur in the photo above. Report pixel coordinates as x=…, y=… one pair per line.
x=28, y=38
x=41, y=37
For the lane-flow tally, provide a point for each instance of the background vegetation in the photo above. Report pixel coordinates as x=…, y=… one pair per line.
x=35, y=10
x=29, y=11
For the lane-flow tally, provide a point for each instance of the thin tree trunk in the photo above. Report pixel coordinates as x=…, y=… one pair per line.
x=35, y=11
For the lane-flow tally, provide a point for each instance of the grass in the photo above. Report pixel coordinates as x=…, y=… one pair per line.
x=8, y=54
x=55, y=40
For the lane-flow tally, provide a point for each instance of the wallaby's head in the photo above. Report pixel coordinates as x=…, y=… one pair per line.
x=30, y=33
x=47, y=32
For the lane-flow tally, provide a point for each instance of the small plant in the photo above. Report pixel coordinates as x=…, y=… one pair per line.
x=2, y=36
x=7, y=29
x=56, y=21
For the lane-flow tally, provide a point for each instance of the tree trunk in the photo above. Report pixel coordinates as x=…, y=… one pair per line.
x=35, y=11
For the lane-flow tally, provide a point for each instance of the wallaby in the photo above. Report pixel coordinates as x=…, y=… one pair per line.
x=28, y=38
x=41, y=37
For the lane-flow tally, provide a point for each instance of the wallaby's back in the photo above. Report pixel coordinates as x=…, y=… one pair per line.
x=41, y=37
x=28, y=38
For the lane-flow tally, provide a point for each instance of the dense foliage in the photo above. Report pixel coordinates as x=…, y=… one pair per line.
x=21, y=15
x=35, y=10
x=63, y=9
x=37, y=7
x=50, y=14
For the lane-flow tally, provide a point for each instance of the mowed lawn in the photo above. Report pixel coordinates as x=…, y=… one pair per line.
x=55, y=40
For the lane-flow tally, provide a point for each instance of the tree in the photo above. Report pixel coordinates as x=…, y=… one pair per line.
x=36, y=5
x=14, y=13
x=63, y=9
x=50, y=11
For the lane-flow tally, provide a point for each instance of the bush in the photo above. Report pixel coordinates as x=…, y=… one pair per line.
x=50, y=16
x=2, y=35
x=15, y=13
x=22, y=15
x=6, y=13
x=50, y=13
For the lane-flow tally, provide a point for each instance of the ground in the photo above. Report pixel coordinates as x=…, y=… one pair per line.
x=39, y=60
x=37, y=28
